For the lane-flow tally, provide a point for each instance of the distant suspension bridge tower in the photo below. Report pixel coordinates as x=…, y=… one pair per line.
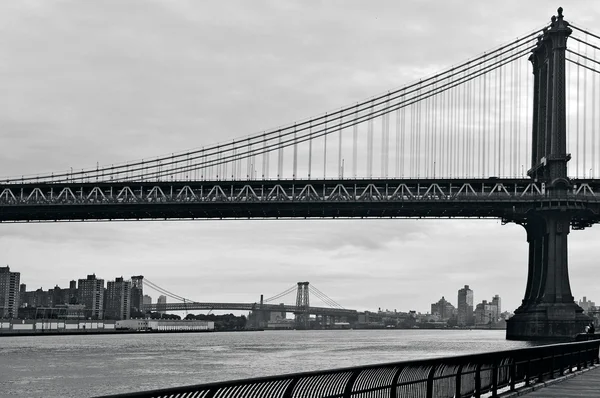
x=302, y=305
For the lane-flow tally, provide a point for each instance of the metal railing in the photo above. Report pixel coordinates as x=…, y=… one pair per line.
x=460, y=376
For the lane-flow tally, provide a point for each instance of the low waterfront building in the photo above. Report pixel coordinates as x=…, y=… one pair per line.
x=164, y=325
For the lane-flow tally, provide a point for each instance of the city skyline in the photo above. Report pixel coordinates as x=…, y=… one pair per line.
x=130, y=94
x=290, y=299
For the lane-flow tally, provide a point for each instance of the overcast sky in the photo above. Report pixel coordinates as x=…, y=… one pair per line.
x=109, y=81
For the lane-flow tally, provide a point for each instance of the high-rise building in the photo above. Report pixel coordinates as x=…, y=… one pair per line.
x=497, y=302
x=9, y=293
x=488, y=312
x=137, y=295
x=147, y=299
x=161, y=303
x=118, y=299
x=90, y=292
x=586, y=305
x=443, y=309
x=73, y=292
x=465, y=306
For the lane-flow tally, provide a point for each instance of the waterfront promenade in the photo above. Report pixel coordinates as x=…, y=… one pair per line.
x=585, y=384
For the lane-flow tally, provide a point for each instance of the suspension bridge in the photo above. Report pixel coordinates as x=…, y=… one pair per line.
x=301, y=309
x=485, y=139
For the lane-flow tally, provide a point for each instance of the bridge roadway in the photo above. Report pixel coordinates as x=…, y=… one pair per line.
x=508, y=199
x=189, y=306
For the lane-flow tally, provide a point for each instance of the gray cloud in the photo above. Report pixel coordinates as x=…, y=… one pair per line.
x=87, y=82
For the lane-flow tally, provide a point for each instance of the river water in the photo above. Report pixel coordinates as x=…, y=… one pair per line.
x=84, y=366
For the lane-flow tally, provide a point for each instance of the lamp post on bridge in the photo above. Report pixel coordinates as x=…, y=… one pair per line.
x=548, y=310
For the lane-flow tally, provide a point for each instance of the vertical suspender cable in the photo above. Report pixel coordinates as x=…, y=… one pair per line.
x=577, y=124
x=500, y=130
x=443, y=124
x=264, y=159
x=456, y=131
x=340, y=165
x=402, y=140
x=387, y=141
x=325, y=149
x=464, y=127
x=427, y=106
x=594, y=121
x=436, y=113
x=397, y=174
x=310, y=145
x=295, y=162
x=568, y=95
x=518, y=114
x=511, y=118
x=419, y=119
x=584, y=132
x=383, y=143
x=355, y=145
x=370, y=146
x=234, y=166
x=450, y=133
x=470, y=137
x=483, y=122
x=528, y=123
x=412, y=141
x=280, y=158
x=491, y=132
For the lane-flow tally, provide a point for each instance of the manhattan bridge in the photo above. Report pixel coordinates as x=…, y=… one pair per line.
x=483, y=139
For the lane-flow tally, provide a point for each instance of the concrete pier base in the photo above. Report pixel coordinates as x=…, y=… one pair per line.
x=547, y=322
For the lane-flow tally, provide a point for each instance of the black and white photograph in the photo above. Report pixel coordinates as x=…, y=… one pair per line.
x=286, y=198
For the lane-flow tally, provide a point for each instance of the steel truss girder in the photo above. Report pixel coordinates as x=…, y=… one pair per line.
x=233, y=199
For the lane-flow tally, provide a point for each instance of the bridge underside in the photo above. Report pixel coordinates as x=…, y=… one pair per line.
x=377, y=198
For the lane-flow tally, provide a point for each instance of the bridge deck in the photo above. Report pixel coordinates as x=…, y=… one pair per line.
x=584, y=385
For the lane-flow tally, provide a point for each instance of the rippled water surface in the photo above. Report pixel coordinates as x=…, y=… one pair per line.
x=84, y=366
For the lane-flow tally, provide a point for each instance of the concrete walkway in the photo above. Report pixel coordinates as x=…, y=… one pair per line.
x=584, y=384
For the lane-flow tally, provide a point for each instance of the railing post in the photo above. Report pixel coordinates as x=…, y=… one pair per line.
x=513, y=374
x=430, y=381
x=552, y=366
x=458, y=381
x=290, y=388
x=478, y=381
x=495, y=379
x=527, y=372
x=350, y=383
x=394, y=386
x=540, y=366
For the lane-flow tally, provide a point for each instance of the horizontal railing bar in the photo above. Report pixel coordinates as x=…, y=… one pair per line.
x=579, y=355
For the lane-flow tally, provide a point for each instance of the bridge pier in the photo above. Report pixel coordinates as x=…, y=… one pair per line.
x=548, y=310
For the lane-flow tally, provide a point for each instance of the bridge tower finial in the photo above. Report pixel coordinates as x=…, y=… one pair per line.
x=549, y=136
